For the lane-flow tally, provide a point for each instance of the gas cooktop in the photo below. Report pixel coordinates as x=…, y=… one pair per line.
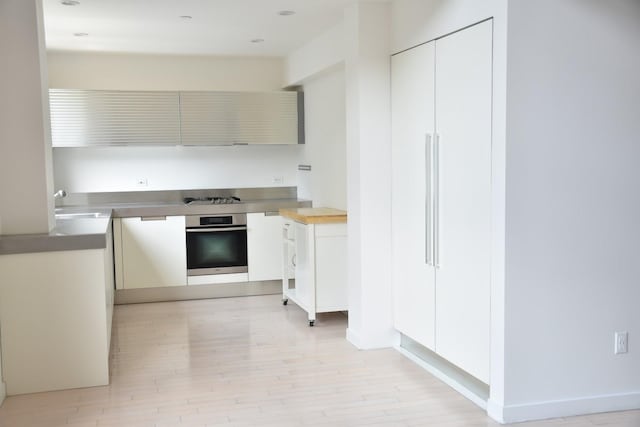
x=210, y=200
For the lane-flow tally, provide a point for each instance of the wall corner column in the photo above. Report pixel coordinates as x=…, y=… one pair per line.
x=26, y=171
x=367, y=31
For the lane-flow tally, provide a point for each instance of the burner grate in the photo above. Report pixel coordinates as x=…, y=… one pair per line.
x=215, y=200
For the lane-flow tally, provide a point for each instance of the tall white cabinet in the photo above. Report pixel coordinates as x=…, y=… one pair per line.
x=441, y=121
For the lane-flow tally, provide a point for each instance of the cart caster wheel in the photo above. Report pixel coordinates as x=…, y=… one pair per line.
x=312, y=322
x=284, y=302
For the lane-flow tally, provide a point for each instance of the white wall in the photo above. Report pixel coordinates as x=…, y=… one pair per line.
x=26, y=179
x=325, y=148
x=418, y=21
x=572, y=207
x=71, y=70
x=361, y=42
x=318, y=66
x=108, y=169
x=169, y=168
x=321, y=53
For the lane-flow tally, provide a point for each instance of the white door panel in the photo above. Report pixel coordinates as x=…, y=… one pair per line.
x=264, y=246
x=154, y=252
x=412, y=133
x=463, y=125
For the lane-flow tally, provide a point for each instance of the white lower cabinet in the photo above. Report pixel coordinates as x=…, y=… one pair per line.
x=153, y=252
x=264, y=250
x=320, y=260
x=56, y=310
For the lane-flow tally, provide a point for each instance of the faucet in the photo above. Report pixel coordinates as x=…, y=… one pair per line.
x=60, y=194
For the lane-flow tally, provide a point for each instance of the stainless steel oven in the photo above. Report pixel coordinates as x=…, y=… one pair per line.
x=216, y=244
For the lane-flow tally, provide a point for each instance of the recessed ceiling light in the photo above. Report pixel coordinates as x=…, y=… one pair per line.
x=286, y=12
x=70, y=2
x=81, y=34
x=186, y=17
x=257, y=40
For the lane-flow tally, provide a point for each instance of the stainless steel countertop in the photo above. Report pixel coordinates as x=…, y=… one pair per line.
x=81, y=232
x=125, y=210
x=69, y=234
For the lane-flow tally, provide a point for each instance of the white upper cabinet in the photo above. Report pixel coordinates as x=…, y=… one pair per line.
x=441, y=129
x=412, y=124
x=104, y=117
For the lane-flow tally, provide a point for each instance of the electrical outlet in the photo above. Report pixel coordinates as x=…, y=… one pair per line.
x=142, y=182
x=277, y=180
x=622, y=342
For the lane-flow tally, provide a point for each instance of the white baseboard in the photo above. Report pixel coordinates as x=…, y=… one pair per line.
x=182, y=293
x=372, y=343
x=495, y=411
x=563, y=408
x=460, y=388
x=214, y=279
x=354, y=339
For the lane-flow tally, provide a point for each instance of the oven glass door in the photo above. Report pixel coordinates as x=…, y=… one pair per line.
x=216, y=251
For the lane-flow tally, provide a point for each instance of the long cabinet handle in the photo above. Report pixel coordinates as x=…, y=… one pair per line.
x=215, y=230
x=436, y=201
x=153, y=218
x=428, y=199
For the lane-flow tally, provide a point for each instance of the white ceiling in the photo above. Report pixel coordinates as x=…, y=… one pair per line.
x=218, y=27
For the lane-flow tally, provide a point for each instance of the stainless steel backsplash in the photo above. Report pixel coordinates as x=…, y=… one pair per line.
x=176, y=196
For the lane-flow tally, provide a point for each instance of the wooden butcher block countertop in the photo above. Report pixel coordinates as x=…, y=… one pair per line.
x=315, y=215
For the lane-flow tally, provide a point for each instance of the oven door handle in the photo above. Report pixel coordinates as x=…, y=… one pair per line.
x=215, y=230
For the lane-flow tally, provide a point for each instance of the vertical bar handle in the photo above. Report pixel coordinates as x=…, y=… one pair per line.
x=428, y=198
x=436, y=201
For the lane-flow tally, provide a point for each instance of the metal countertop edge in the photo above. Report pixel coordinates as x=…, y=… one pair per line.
x=52, y=242
x=181, y=209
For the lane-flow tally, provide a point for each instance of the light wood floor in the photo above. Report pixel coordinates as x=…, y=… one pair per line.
x=253, y=362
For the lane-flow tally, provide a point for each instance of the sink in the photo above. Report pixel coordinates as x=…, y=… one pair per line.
x=81, y=215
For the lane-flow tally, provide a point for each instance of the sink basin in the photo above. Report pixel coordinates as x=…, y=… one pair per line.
x=81, y=215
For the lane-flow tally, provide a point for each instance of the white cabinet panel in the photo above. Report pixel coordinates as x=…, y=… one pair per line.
x=463, y=124
x=331, y=273
x=154, y=252
x=412, y=133
x=117, y=253
x=56, y=314
x=109, y=284
x=288, y=252
x=264, y=250
x=305, y=265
